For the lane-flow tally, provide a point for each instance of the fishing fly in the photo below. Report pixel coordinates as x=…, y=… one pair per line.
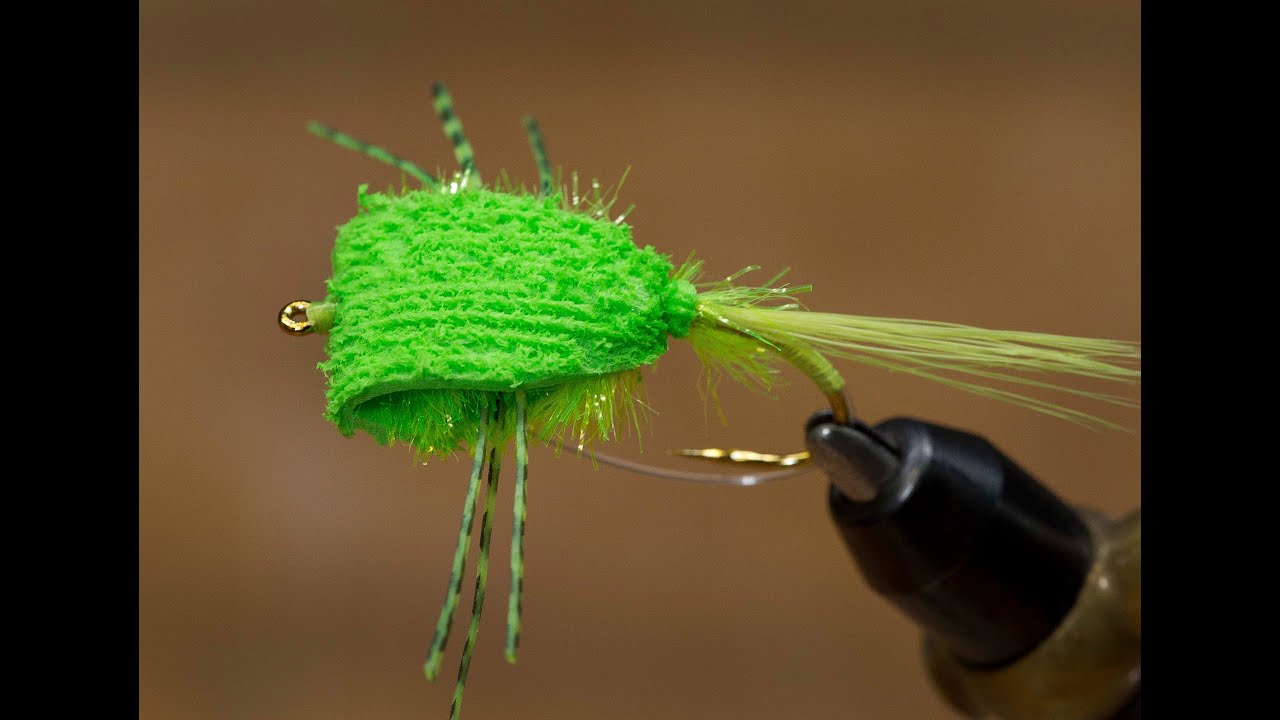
x=469, y=316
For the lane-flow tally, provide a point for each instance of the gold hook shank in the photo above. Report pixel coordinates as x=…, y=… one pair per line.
x=839, y=413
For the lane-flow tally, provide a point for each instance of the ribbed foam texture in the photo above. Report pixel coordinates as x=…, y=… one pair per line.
x=486, y=291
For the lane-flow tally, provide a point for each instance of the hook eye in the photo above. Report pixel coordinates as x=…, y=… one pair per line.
x=289, y=318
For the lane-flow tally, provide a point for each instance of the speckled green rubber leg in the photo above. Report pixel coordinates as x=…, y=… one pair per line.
x=342, y=139
x=545, y=178
x=482, y=581
x=517, y=534
x=453, y=130
x=432, y=665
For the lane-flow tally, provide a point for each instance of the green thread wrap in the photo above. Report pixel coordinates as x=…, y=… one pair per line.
x=682, y=307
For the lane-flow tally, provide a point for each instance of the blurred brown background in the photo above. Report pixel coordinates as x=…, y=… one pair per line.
x=977, y=164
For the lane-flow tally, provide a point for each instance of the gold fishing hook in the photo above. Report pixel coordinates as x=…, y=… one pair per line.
x=805, y=359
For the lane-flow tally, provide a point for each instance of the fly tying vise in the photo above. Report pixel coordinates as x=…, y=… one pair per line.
x=464, y=315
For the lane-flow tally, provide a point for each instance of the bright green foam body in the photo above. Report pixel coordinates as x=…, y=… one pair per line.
x=445, y=300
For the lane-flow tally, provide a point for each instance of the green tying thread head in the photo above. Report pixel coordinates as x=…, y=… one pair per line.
x=464, y=316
